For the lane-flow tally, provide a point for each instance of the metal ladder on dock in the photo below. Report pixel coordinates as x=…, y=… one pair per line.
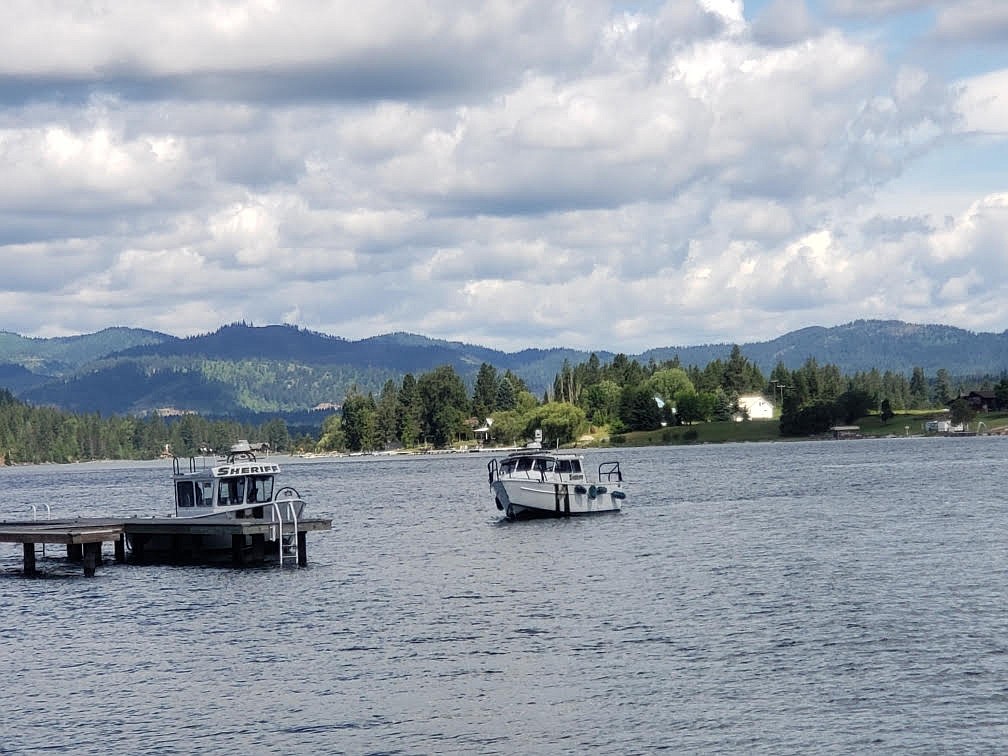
x=34, y=509
x=280, y=526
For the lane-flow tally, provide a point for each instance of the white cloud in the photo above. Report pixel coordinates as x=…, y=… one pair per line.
x=973, y=21
x=871, y=8
x=984, y=103
x=784, y=22
x=514, y=174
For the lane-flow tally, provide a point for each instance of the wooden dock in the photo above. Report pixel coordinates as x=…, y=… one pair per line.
x=83, y=538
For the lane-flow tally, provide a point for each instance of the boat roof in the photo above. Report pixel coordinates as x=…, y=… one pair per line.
x=545, y=453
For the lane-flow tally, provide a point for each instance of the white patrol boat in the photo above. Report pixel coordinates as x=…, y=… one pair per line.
x=533, y=482
x=238, y=487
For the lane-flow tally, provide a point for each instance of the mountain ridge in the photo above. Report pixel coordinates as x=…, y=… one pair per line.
x=242, y=368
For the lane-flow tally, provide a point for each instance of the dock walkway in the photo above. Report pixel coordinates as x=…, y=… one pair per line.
x=83, y=538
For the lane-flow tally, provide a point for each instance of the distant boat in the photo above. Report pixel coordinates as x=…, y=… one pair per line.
x=532, y=482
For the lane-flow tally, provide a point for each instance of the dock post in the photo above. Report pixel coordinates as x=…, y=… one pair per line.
x=120, y=549
x=258, y=548
x=237, y=549
x=92, y=557
x=302, y=538
x=75, y=552
x=29, y=559
x=175, y=555
x=138, y=542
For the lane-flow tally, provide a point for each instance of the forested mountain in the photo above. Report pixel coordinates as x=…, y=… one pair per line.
x=56, y=356
x=240, y=370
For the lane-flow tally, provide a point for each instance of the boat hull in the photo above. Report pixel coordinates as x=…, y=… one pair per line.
x=525, y=499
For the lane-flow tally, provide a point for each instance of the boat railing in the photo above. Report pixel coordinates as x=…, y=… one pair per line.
x=193, y=465
x=289, y=496
x=609, y=472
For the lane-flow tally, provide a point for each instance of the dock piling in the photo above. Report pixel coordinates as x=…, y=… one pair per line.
x=29, y=559
x=184, y=539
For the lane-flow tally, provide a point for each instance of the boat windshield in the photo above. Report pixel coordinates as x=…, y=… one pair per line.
x=260, y=489
x=232, y=491
x=246, y=489
x=567, y=466
x=540, y=466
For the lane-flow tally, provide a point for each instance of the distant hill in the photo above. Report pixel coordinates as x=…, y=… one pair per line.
x=62, y=354
x=863, y=345
x=18, y=379
x=241, y=370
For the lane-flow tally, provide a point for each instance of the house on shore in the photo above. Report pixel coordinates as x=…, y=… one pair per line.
x=981, y=401
x=755, y=407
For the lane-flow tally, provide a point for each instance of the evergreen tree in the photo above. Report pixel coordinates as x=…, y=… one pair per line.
x=943, y=388
x=410, y=411
x=918, y=389
x=638, y=409
x=358, y=420
x=386, y=422
x=485, y=391
x=507, y=398
x=445, y=405
x=601, y=402
x=886, y=411
x=734, y=379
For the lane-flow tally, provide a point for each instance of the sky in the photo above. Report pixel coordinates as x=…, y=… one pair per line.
x=510, y=173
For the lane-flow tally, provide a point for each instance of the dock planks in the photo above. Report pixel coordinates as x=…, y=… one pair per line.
x=84, y=537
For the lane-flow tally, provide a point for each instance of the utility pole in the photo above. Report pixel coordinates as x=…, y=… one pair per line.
x=781, y=387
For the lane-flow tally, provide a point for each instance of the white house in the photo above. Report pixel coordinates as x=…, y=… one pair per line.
x=756, y=406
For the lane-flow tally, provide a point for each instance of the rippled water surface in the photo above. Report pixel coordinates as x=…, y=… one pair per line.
x=841, y=597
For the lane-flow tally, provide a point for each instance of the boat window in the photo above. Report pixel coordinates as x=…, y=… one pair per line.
x=507, y=466
x=260, y=489
x=575, y=465
x=524, y=464
x=232, y=491
x=184, y=496
x=204, y=493
x=540, y=465
x=563, y=466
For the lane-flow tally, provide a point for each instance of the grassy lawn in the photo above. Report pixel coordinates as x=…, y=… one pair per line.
x=904, y=424
x=703, y=433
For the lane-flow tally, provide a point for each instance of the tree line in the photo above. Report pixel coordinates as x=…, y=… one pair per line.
x=436, y=409
x=623, y=396
x=43, y=434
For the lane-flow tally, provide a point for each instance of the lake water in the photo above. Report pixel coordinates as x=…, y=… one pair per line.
x=813, y=597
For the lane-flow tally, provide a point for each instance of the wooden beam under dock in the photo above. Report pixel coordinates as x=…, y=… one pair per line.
x=84, y=537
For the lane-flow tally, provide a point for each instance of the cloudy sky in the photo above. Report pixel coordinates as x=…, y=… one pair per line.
x=509, y=173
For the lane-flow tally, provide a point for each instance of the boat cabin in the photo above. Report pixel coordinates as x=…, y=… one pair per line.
x=559, y=467
x=241, y=486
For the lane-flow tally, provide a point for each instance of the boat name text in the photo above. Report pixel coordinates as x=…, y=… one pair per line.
x=245, y=470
